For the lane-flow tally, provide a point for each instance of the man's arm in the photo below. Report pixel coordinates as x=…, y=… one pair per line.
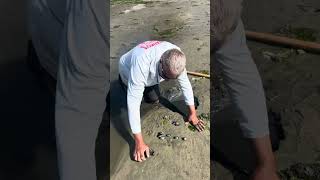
x=186, y=88
x=266, y=163
x=136, y=83
x=189, y=99
x=134, y=98
x=242, y=78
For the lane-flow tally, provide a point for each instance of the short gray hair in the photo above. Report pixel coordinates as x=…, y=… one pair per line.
x=225, y=15
x=174, y=61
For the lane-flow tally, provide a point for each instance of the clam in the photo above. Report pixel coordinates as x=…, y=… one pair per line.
x=152, y=153
x=160, y=134
x=175, y=123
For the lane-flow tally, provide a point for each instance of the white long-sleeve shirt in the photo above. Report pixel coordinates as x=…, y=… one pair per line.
x=138, y=69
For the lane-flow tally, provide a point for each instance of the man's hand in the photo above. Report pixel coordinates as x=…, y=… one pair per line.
x=193, y=119
x=140, y=148
x=198, y=124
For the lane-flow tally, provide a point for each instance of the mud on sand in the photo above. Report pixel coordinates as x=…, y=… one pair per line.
x=186, y=24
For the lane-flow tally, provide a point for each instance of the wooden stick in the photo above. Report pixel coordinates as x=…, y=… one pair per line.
x=198, y=74
x=284, y=41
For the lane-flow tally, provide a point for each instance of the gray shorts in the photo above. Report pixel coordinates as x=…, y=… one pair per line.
x=243, y=81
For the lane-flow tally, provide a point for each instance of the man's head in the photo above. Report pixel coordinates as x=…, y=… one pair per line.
x=172, y=64
x=225, y=15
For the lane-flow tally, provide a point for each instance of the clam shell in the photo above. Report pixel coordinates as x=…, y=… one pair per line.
x=176, y=123
x=152, y=153
x=160, y=134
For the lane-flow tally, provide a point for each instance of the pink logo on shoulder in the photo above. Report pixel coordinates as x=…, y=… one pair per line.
x=149, y=44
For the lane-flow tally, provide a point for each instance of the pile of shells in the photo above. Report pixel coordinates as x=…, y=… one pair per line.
x=162, y=136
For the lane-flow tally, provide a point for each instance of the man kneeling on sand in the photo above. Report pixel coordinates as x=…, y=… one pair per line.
x=141, y=70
